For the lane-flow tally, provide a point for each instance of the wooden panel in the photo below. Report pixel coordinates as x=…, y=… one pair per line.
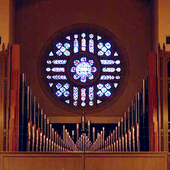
x=130, y=161
x=45, y=161
x=81, y=161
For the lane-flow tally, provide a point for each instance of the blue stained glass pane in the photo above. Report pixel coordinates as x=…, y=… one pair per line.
x=76, y=76
x=99, y=86
x=91, y=93
x=83, y=59
x=116, y=54
x=117, y=62
x=76, y=45
x=108, y=45
x=99, y=101
x=68, y=37
x=99, y=37
x=59, y=53
x=117, y=77
x=48, y=69
x=107, y=77
x=115, y=85
x=83, y=44
x=67, y=53
x=51, y=84
x=91, y=103
x=58, y=69
x=108, y=94
x=67, y=45
x=91, y=36
x=49, y=62
x=91, y=46
x=76, y=62
x=58, y=93
x=58, y=85
x=48, y=77
x=108, y=53
x=51, y=54
x=73, y=69
x=100, y=45
x=104, y=49
x=104, y=90
x=62, y=49
x=118, y=69
x=107, y=62
x=66, y=86
x=59, y=77
x=67, y=93
x=108, y=69
x=59, y=61
x=83, y=104
x=108, y=86
x=100, y=53
x=75, y=93
x=75, y=35
x=83, y=35
x=90, y=76
x=67, y=101
x=58, y=45
x=91, y=62
x=62, y=89
x=75, y=103
x=99, y=93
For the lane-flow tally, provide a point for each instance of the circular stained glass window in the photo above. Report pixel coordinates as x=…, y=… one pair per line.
x=83, y=67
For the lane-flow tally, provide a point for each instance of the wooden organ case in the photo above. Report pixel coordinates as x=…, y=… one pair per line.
x=139, y=140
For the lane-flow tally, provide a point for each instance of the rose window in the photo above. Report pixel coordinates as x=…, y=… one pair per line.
x=83, y=68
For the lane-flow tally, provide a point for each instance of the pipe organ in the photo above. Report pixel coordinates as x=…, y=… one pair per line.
x=38, y=134
x=142, y=126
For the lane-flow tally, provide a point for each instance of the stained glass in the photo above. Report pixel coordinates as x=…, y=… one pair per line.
x=108, y=69
x=108, y=45
x=48, y=77
x=116, y=54
x=58, y=45
x=48, y=69
x=83, y=69
x=59, y=61
x=59, y=53
x=58, y=69
x=107, y=77
x=99, y=37
x=75, y=93
x=58, y=85
x=67, y=45
x=76, y=46
x=49, y=62
x=107, y=62
x=100, y=45
x=83, y=96
x=99, y=101
x=108, y=53
x=51, y=54
x=117, y=77
x=68, y=37
x=91, y=93
x=100, y=53
x=66, y=86
x=115, y=85
x=67, y=101
x=58, y=93
x=118, y=69
x=59, y=77
x=117, y=62
x=91, y=36
x=51, y=84
x=67, y=53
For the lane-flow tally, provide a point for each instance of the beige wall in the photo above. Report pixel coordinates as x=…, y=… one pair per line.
x=7, y=22
x=164, y=21
x=130, y=22
x=4, y=21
